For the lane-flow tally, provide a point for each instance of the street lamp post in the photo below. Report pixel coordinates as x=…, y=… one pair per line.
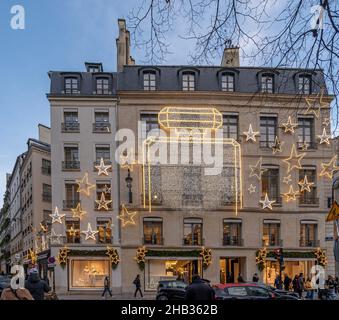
x=129, y=181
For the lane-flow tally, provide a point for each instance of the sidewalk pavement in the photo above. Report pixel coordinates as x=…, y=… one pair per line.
x=147, y=296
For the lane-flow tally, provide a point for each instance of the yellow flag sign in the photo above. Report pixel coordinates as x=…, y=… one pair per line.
x=334, y=212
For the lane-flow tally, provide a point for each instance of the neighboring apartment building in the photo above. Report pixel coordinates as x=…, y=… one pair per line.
x=83, y=126
x=175, y=211
x=14, y=185
x=336, y=196
x=5, y=231
x=36, y=199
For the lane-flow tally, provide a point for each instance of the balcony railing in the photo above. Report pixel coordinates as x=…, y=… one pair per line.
x=310, y=145
x=70, y=127
x=192, y=200
x=153, y=241
x=277, y=199
x=47, y=197
x=109, y=206
x=272, y=242
x=232, y=241
x=305, y=200
x=71, y=165
x=193, y=242
x=105, y=240
x=101, y=127
x=309, y=243
x=46, y=170
x=70, y=204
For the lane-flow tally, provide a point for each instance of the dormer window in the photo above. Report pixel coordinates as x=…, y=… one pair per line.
x=304, y=84
x=267, y=83
x=188, y=81
x=71, y=85
x=149, y=81
x=102, y=86
x=227, y=82
x=93, y=67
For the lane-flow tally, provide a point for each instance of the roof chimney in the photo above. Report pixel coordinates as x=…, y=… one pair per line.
x=230, y=57
x=123, y=46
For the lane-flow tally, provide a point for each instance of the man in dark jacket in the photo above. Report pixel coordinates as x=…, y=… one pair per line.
x=36, y=286
x=137, y=284
x=199, y=290
x=287, y=282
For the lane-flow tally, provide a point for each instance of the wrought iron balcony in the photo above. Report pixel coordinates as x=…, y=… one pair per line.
x=305, y=200
x=70, y=126
x=101, y=127
x=232, y=241
x=272, y=242
x=309, y=243
x=193, y=242
x=71, y=165
x=157, y=240
x=105, y=240
x=70, y=204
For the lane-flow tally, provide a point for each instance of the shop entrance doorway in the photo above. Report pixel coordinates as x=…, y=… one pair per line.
x=230, y=268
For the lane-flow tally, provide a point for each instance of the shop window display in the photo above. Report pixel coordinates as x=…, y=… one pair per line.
x=89, y=273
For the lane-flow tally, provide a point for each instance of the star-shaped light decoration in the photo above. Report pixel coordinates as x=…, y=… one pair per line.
x=102, y=168
x=56, y=217
x=89, y=233
x=326, y=122
x=72, y=232
x=84, y=186
x=324, y=137
x=252, y=188
x=305, y=185
x=304, y=146
x=32, y=256
x=78, y=212
x=329, y=168
x=267, y=203
x=289, y=126
x=250, y=134
x=293, y=161
x=55, y=238
x=315, y=104
x=103, y=203
x=291, y=194
x=276, y=147
x=287, y=179
x=107, y=189
x=62, y=256
x=257, y=170
x=126, y=217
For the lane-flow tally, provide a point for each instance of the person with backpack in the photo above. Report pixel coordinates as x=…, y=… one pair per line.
x=36, y=286
x=107, y=287
x=137, y=284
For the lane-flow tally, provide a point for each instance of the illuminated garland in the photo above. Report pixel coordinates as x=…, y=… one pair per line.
x=321, y=257
x=206, y=257
x=140, y=257
x=62, y=256
x=113, y=256
x=260, y=259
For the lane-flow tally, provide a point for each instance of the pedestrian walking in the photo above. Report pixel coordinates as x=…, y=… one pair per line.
x=199, y=289
x=331, y=288
x=255, y=278
x=287, y=282
x=300, y=285
x=278, y=282
x=36, y=286
x=107, y=287
x=309, y=289
x=295, y=283
x=240, y=278
x=137, y=284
